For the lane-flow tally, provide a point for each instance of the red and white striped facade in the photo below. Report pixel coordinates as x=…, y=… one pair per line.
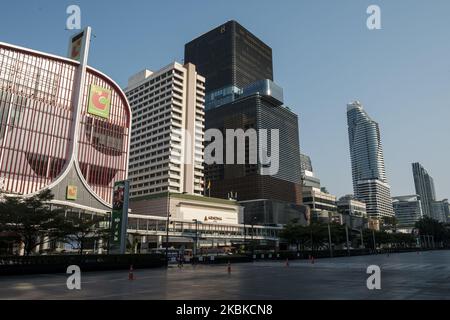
x=45, y=133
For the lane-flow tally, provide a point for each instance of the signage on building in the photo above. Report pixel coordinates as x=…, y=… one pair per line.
x=212, y=218
x=119, y=217
x=71, y=193
x=76, y=46
x=79, y=46
x=99, y=101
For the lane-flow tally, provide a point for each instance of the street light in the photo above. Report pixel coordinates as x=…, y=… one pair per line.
x=196, y=237
x=329, y=235
x=374, y=242
x=253, y=231
x=167, y=228
x=346, y=238
x=362, y=238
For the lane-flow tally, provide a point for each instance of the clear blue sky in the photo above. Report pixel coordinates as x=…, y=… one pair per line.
x=324, y=57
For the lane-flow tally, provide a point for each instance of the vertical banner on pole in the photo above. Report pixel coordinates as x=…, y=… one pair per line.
x=79, y=46
x=119, y=217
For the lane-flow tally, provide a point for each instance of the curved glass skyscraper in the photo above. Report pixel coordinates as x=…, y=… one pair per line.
x=368, y=172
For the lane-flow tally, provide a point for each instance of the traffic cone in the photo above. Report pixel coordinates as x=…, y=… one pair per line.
x=287, y=262
x=229, y=267
x=130, y=273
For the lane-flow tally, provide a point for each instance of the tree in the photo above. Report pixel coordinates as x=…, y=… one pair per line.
x=80, y=230
x=338, y=234
x=292, y=233
x=289, y=233
x=402, y=239
x=318, y=235
x=431, y=227
x=31, y=220
x=390, y=223
x=296, y=233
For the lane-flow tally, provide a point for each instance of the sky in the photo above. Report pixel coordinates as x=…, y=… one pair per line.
x=324, y=57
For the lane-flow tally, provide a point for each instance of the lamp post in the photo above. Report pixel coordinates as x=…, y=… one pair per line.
x=362, y=238
x=245, y=238
x=167, y=228
x=196, y=237
x=253, y=231
x=329, y=234
x=346, y=238
x=374, y=242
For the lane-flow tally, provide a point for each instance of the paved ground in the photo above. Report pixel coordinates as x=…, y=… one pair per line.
x=403, y=276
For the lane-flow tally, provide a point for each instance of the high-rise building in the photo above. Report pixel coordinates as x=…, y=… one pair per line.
x=305, y=163
x=230, y=57
x=307, y=173
x=249, y=180
x=408, y=210
x=424, y=185
x=440, y=210
x=354, y=212
x=166, y=152
x=64, y=126
x=368, y=171
x=322, y=205
x=241, y=94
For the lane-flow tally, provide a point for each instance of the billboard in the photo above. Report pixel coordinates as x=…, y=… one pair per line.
x=119, y=217
x=99, y=101
x=76, y=46
x=71, y=193
x=79, y=46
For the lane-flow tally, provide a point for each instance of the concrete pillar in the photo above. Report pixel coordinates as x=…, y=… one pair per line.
x=21, y=249
x=46, y=244
x=100, y=246
x=37, y=249
x=159, y=241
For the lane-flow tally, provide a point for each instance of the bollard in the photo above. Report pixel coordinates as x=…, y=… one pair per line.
x=130, y=273
x=229, y=267
x=287, y=262
x=312, y=260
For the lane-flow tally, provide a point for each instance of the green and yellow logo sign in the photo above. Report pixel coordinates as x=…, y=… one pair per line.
x=72, y=193
x=99, y=101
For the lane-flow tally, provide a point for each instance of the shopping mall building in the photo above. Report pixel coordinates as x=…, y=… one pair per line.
x=63, y=126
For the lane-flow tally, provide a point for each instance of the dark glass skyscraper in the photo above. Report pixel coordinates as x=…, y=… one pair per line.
x=257, y=112
x=424, y=188
x=241, y=94
x=230, y=56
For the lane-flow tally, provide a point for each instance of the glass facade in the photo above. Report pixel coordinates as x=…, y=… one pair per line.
x=424, y=185
x=270, y=212
x=366, y=152
x=230, y=55
x=257, y=112
x=408, y=210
